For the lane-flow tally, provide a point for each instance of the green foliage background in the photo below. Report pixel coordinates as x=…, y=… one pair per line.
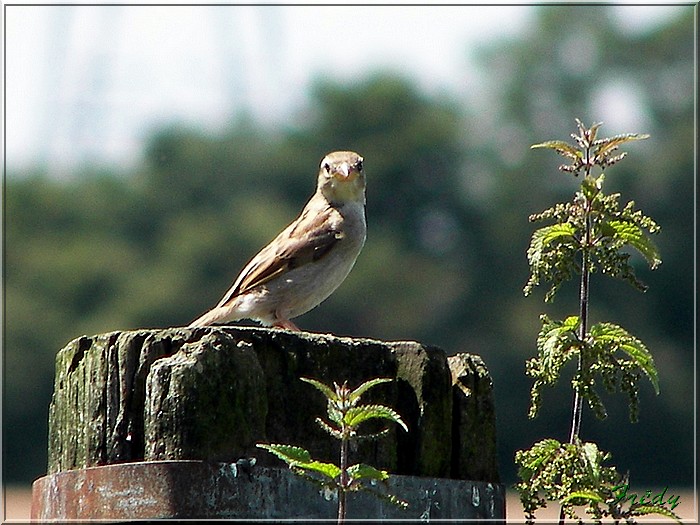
x=450, y=186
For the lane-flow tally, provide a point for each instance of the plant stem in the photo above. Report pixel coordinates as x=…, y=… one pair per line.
x=583, y=300
x=342, y=489
x=577, y=410
x=583, y=328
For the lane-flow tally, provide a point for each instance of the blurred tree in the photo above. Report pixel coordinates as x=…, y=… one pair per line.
x=69, y=253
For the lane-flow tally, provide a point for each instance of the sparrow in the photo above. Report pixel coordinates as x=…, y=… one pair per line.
x=309, y=259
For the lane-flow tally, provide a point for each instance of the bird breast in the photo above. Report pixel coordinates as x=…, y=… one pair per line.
x=306, y=287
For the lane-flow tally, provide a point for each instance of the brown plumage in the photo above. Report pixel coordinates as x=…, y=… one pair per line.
x=309, y=259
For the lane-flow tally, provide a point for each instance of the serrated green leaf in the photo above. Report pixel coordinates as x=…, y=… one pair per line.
x=321, y=483
x=355, y=394
x=557, y=336
x=328, y=470
x=592, y=458
x=362, y=471
x=324, y=389
x=301, y=458
x=356, y=415
x=561, y=147
x=334, y=414
x=583, y=494
x=631, y=234
x=328, y=428
x=608, y=145
x=540, y=454
x=617, y=337
x=288, y=453
x=571, y=323
x=657, y=509
x=543, y=237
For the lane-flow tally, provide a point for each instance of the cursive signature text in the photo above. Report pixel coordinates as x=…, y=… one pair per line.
x=658, y=499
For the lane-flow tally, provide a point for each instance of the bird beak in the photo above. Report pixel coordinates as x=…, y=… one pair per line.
x=345, y=171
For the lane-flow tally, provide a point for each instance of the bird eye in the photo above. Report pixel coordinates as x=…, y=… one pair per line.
x=326, y=166
x=358, y=164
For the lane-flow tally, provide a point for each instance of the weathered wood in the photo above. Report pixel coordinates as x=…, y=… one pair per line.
x=212, y=393
x=208, y=400
x=425, y=399
x=203, y=490
x=473, y=420
x=96, y=412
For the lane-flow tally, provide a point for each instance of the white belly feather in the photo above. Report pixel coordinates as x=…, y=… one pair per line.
x=306, y=287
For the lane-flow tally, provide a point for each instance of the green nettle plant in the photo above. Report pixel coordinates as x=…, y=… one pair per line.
x=589, y=235
x=345, y=414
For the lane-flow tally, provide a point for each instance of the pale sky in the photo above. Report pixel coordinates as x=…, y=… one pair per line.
x=88, y=83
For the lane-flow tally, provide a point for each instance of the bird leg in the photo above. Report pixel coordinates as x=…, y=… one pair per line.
x=286, y=324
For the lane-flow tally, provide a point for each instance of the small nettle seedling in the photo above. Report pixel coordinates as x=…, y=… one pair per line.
x=590, y=234
x=345, y=414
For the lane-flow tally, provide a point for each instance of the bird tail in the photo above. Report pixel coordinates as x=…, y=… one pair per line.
x=211, y=317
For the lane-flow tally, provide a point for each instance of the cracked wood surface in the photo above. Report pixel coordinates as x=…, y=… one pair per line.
x=213, y=393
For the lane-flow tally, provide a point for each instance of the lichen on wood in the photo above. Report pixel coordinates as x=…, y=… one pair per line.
x=212, y=393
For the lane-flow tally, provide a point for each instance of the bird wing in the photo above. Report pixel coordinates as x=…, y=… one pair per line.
x=306, y=240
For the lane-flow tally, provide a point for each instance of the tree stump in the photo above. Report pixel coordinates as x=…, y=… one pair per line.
x=210, y=394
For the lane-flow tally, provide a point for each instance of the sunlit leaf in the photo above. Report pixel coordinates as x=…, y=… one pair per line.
x=583, y=495
x=301, y=458
x=543, y=237
x=328, y=470
x=657, y=509
x=356, y=415
x=362, y=471
x=288, y=453
x=325, y=389
x=561, y=147
x=355, y=394
x=631, y=234
x=556, y=336
x=335, y=415
x=539, y=455
x=328, y=428
x=593, y=459
x=609, y=145
x=617, y=337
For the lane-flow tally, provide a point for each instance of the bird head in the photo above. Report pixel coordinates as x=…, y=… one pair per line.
x=341, y=178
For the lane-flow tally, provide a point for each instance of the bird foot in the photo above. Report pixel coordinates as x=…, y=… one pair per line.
x=287, y=325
